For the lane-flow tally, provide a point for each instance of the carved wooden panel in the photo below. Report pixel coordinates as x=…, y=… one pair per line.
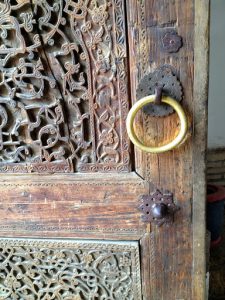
x=63, y=86
x=39, y=269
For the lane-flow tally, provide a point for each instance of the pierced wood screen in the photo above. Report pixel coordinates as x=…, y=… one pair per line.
x=63, y=86
x=65, y=270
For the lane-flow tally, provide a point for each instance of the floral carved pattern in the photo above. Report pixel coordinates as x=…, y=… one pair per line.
x=41, y=270
x=63, y=86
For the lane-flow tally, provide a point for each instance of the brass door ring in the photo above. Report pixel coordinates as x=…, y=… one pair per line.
x=178, y=139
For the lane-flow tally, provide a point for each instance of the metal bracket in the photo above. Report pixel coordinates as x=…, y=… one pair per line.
x=158, y=207
x=171, y=42
x=166, y=79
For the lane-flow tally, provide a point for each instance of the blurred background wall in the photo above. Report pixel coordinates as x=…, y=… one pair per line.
x=216, y=126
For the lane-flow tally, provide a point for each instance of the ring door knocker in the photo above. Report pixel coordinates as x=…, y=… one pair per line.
x=151, y=99
x=158, y=207
x=169, y=81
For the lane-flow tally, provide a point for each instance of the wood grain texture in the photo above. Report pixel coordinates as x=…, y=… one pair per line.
x=169, y=264
x=100, y=207
x=199, y=147
x=104, y=206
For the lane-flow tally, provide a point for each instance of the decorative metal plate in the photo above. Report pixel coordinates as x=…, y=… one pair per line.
x=171, y=42
x=63, y=86
x=164, y=77
x=69, y=270
x=158, y=207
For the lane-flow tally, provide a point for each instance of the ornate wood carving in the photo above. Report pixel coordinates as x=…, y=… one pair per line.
x=63, y=86
x=39, y=269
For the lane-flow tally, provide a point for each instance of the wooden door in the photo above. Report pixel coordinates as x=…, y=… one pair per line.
x=71, y=182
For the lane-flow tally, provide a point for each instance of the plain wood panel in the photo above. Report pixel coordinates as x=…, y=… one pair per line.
x=96, y=206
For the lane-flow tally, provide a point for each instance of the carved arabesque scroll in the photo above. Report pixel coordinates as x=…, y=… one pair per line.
x=63, y=87
x=66, y=270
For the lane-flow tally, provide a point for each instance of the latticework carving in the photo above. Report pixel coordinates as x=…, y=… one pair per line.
x=63, y=87
x=38, y=269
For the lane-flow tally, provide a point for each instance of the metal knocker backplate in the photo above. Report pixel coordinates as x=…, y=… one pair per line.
x=166, y=78
x=158, y=207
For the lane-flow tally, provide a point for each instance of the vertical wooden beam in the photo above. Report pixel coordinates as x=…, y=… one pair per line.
x=169, y=252
x=199, y=146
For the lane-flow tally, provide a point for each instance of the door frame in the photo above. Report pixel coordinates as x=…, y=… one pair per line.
x=202, y=12
x=139, y=28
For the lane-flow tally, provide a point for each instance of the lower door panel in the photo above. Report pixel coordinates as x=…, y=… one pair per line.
x=42, y=269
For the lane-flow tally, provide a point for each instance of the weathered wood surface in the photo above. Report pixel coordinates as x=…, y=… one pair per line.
x=72, y=206
x=169, y=264
x=63, y=88
x=199, y=147
x=104, y=206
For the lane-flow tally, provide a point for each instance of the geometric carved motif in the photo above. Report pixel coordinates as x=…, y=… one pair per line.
x=69, y=270
x=63, y=86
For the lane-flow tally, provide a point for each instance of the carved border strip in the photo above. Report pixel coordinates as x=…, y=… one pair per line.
x=71, y=229
x=74, y=244
x=121, y=56
x=77, y=184
x=144, y=54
